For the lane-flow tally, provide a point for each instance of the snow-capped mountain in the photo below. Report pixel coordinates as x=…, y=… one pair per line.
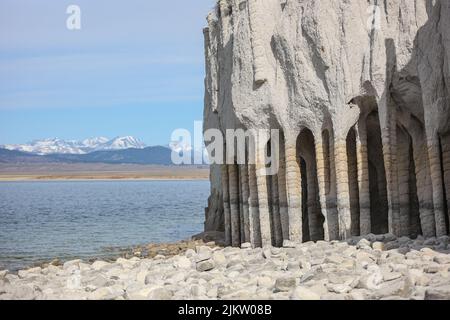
x=54, y=146
x=94, y=142
x=120, y=143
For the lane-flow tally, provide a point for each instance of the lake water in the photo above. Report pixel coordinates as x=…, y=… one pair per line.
x=40, y=221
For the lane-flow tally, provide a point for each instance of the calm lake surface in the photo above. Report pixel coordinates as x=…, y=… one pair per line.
x=40, y=220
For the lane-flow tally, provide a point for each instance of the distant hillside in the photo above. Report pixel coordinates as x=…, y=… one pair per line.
x=12, y=156
x=151, y=155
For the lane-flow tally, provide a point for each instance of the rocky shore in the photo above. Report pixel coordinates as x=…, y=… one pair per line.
x=373, y=267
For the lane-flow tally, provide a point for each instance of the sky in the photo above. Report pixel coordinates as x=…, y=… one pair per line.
x=135, y=67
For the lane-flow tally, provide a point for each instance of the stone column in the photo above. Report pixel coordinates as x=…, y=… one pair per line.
x=263, y=204
x=343, y=195
x=255, y=231
x=276, y=221
x=389, y=140
x=445, y=145
x=234, y=205
x=226, y=205
x=311, y=205
x=283, y=205
x=333, y=217
x=293, y=189
x=352, y=159
x=241, y=207
x=404, y=182
x=434, y=157
x=256, y=27
x=424, y=187
x=363, y=177
x=245, y=206
x=322, y=163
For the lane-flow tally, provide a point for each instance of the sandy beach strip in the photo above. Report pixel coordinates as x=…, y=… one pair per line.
x=101, y=172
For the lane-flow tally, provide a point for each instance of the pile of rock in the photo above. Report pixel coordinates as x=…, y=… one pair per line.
x=373, y=267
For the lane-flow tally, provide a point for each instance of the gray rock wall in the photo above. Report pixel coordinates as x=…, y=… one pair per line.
x=360, y=92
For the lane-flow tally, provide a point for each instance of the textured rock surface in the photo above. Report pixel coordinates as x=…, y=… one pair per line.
x=360, y=93
x=304, y=271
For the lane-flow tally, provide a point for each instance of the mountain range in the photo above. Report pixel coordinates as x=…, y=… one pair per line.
x=59, y=146
x=120, y=150
x=157, y=155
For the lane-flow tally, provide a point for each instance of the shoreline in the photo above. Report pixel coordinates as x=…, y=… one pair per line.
x=142, y=251
x=46, y=178
x=106, y=172
x=375, y=267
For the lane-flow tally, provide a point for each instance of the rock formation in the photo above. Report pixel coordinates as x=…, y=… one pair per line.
x=360, y=93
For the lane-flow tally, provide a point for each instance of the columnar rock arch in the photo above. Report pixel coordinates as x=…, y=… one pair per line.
x=365, y=118
x=313, y=220
x=300, y=200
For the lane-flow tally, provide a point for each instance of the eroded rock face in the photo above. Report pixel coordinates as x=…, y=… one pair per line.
x=360, y=93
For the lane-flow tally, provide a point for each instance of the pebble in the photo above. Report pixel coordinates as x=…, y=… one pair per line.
x=302, y=293
x=378, y=246
x=285, y=284
x=205, y=265
x=439, y=293
x=98, y=265
x=182, y=263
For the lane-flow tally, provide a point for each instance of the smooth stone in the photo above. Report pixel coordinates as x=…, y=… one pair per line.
x=430, y=241
x=246, y=245
x=371, y=281
x=438, y=293
x=101, y=294
x=189, y=253
x=265, y=282
x=358, y=294
x=363, y=244
x=101, y=281
x=72, y=263
x=305, y=264
x=339, y=288
x=285, y=284
x=302, y=293
x=203, y=253
x=98, y=265
x=401, y=288
x=233, y=274
x=160, y=294
x=141, y=276
x=212, y=293
x=335, y=259
x=205, y=265
x=266, y=253
x=289, y=244
x=183, y=263
x=428, y=252
x=433, y=268
x=388, y=237
x=442, y=259
x=219, y=258
x=390, y=276
x=293, y=266
x=378, y=246
x=418, y=277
